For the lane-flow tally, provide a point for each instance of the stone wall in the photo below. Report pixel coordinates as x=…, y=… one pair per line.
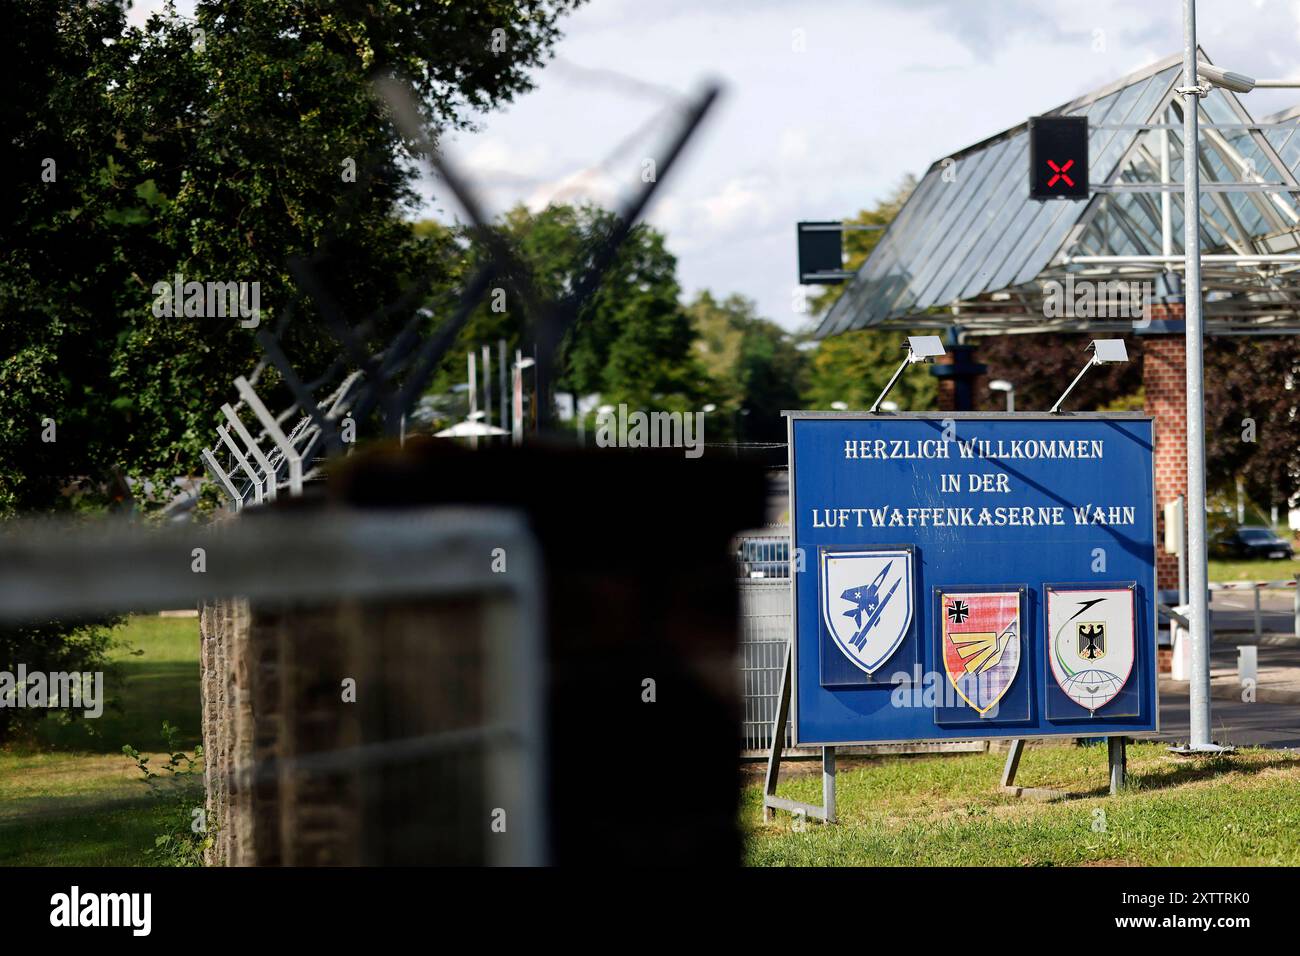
x=297, y=775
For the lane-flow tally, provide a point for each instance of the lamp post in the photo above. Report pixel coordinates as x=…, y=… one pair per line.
x=1002, y=385
x=1192, y=90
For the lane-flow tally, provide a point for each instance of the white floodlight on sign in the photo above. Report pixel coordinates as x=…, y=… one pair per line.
x=1104, y=352
x=920, y=348
x=1236, y=82
x=1108, y=350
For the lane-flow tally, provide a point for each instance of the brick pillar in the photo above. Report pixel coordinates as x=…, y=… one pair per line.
x=1164, y=379
x=960, y=377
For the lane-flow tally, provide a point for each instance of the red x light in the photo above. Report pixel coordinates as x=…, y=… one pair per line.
x=1060, y=173
x=1058, y=157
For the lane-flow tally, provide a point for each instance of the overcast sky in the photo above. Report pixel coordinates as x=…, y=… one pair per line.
x=826, y=106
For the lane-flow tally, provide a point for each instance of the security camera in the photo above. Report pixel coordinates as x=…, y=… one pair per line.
x=1237, y=82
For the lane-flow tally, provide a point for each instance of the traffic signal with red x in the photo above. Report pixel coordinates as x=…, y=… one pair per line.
x=1058, y=157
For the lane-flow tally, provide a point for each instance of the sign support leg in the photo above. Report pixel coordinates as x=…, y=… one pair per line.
x=771, y=802
x=1014, y=754
x=1117, y=750
x=828, y=782
x=1013, y=764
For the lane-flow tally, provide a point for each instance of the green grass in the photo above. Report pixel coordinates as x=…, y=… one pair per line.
x=945, y=810
x=1260, y=570
x=70, y=797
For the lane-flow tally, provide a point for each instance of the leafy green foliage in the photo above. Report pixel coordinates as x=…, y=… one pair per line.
x=140, y=154
x=755, y=366
x=215, y=157
x=184, y=840
x=632, y=341
x=854, y=367
x=54, y=646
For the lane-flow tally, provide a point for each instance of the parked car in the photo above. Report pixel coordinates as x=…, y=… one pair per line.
x=1256, y=542
x=764, y=557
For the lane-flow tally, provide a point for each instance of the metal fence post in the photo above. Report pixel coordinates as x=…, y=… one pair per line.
x=828, y=782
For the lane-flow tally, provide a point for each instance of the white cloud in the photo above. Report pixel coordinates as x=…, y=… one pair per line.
x=884, y=88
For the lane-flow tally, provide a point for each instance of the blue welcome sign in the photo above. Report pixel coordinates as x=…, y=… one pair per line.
x=964, y=575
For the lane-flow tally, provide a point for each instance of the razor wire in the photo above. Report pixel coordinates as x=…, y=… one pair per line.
x=292, y=444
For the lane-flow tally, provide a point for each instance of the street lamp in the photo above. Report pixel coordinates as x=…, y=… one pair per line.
x=1002, y=385
x=920, y=348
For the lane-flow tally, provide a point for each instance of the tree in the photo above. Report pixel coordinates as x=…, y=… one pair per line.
x=1252, y=414
x=1251, y=403
x=1042, y=365
x=632, y=340
x=214, y=149
x=754, y=366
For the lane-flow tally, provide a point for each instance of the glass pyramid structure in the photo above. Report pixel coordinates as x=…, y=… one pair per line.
x=970, y=249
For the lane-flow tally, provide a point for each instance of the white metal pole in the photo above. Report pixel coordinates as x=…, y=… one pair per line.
x=487, y=384
x=1182, y=550
x=1166, y=199
x=1198, y=573
x=517, y=400
x=473, y=398
x=503, y=403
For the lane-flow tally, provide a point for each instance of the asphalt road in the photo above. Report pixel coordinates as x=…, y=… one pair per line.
x=1232, y=722
x=1234, y=611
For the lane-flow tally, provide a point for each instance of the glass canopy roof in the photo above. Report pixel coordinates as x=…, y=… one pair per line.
x=969, y=248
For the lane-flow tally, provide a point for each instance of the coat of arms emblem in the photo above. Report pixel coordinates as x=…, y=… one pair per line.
x=981, y=645
x=1090, y=642
x=866, y=602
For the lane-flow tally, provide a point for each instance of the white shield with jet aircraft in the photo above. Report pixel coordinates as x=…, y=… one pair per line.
x=866, y=601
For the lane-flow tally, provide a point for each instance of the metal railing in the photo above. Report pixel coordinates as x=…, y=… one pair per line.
x=764, y=634
x=1257, y=588
x=762, y=563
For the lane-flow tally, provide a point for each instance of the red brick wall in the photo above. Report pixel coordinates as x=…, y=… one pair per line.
x=1164, y=378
